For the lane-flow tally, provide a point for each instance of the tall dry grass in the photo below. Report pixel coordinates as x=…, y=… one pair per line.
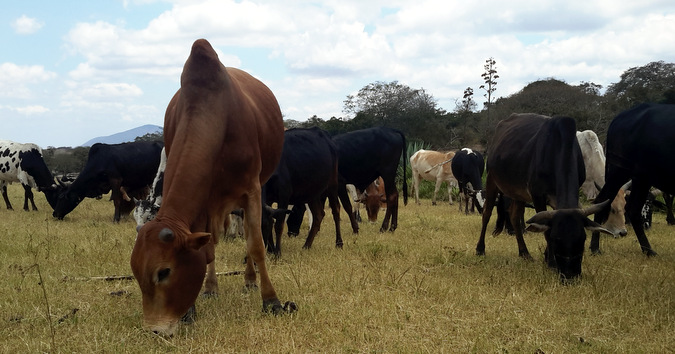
x=419, y=289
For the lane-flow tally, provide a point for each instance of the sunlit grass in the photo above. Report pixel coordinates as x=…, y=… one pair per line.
x=419, y=289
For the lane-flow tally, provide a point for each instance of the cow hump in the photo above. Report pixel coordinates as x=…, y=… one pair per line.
x=203, y=68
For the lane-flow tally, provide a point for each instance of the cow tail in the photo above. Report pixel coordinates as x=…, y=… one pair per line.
x=405, y=170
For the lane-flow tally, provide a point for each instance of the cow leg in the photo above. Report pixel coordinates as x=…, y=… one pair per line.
x=516, y=212
x=634, y=212
x=335, y=209
x=391, y=212
x=255, y=249
x=436, y=188
x=279, y=228
x=294, y=220
x=668, y=199
x=211, y=282
x=347, y=205
x=116, y=196
x=490, y=198
x=416, y=186
x=4, y=196
x=28, y=195
x=316, y=208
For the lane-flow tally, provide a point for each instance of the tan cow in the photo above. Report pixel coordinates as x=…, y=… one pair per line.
x=223, y=134
x=432, y=166
x=594, y=161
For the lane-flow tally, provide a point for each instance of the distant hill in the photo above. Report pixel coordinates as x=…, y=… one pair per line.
x=126, y=136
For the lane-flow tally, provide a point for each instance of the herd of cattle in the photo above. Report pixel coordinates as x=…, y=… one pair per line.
x=227, y=160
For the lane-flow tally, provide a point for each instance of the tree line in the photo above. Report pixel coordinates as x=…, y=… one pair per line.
x=416, y=112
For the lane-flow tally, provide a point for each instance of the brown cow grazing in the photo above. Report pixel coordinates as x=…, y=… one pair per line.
x=374, y=199
x=432, y=166
x=224, y=134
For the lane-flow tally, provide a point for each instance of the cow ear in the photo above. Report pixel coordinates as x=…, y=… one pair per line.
x=591, y=225
x=540, y=221
x=198, y=240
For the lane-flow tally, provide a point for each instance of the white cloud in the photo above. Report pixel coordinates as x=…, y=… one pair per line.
x=15, y=80
x=26, y=25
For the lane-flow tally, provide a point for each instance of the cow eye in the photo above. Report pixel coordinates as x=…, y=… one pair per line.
x=162, y=274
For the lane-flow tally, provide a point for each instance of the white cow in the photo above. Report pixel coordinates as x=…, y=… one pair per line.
x=432, y=166
x=594, y=159
x=23, y=163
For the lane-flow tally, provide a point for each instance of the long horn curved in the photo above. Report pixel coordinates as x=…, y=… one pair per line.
x=627, y=185
x=595, y=208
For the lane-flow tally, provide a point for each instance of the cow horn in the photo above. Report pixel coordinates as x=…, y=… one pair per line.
x=595, y=208
x=166, y=235
x=541, y=217
x=599, y=187
x=627, y=185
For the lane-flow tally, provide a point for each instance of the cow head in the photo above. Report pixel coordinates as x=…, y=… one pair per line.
x=66, y=202
x=373, y=203
x=52, y=193
x=169, y=265
x=478, y=197
x=565, y=236
x=616, y=221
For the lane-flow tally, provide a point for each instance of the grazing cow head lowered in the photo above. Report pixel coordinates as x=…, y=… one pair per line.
x=126, y=169
x=223, y=131
x=537, y=159
x=565, y=236
x=363, y=156
x=639, y=148
x=373, y=198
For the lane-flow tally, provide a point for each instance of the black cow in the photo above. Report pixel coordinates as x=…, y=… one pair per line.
x=365, y=155
x=23, y=163
x=467, y=167
x=307, y=172
x=639, y=148
x=534, y=158
x=128, y=169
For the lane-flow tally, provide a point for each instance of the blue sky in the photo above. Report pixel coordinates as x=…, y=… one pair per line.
x=94, y=68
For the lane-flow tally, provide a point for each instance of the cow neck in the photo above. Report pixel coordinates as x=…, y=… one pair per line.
x=187, y=183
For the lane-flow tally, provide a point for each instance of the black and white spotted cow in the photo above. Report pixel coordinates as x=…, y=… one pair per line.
x=23, y=163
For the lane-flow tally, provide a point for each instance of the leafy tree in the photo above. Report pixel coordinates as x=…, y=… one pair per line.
x=556, y=97
x=158, y=136
x=653, y=82
x=465, y=110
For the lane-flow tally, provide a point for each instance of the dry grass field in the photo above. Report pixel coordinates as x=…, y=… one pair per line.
x=419, y=289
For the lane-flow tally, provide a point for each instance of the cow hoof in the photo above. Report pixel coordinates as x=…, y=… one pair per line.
x=209, y=294
x=274, y=306
x=251, y=287
x=190, y=316
x=290, y=306
x=526, y=256
x=596, y=252
x=480, y=252
x=650, y=253
x=434, y=203
x=292, y=234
